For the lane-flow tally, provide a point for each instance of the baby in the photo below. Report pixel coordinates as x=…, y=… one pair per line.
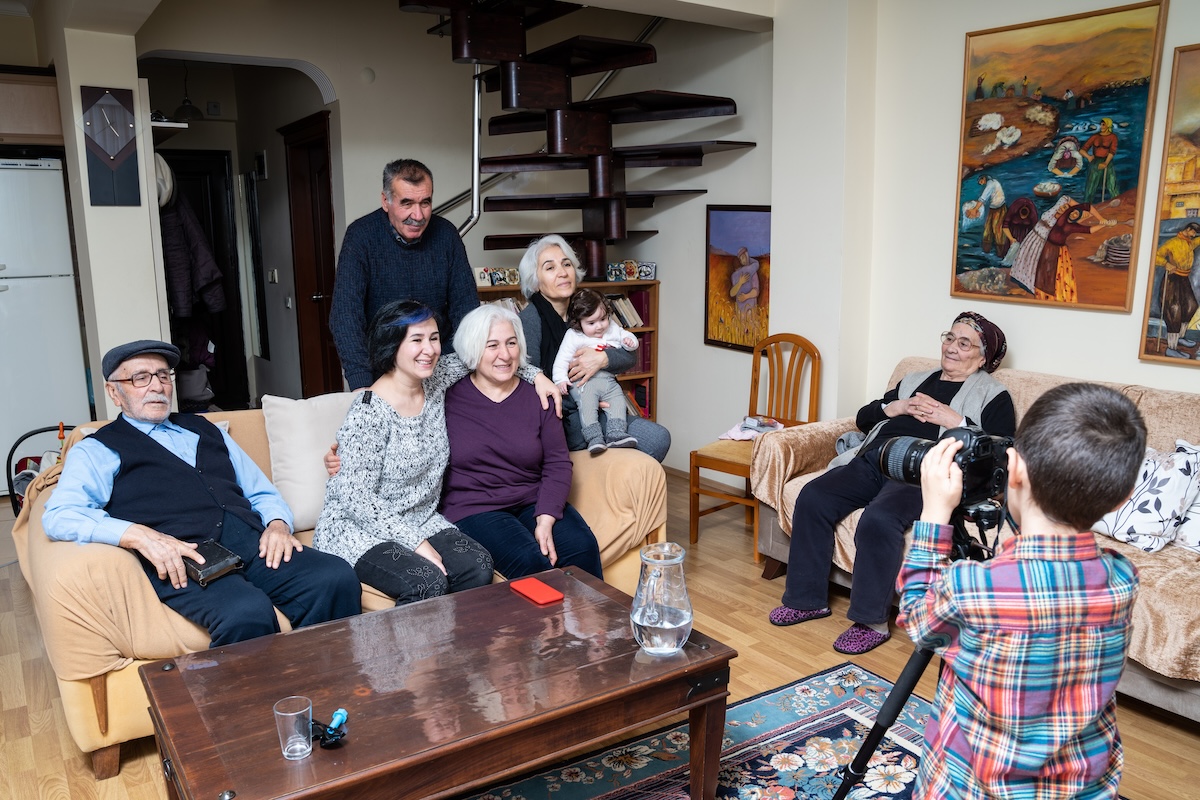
x=591, y=326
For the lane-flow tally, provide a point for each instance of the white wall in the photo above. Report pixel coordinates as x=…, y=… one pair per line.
x=918, y=105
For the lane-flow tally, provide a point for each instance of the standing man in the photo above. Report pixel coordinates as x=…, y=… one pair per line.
x=1099, y=150
x=1176, y=256
x=398, y=252
x=159, y=483
x=992, y=199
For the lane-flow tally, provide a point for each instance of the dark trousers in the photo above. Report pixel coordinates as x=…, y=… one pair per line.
x=508, y=536
x=400, y=573
x=312, y=587
x=889, y=509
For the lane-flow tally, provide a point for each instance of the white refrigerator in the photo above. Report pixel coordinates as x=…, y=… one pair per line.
x=41, y=337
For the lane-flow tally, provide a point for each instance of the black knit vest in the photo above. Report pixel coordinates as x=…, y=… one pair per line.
x=156, y=488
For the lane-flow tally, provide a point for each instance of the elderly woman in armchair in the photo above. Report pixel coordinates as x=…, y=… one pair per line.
x=960, y=393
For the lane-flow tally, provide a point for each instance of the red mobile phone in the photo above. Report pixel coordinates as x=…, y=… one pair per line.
x=537, y=591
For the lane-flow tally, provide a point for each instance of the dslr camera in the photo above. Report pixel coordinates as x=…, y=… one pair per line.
x=983, y=460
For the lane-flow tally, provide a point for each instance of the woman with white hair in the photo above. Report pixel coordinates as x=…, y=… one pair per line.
x=381, y=511
x=550, y=273
x=510, y=470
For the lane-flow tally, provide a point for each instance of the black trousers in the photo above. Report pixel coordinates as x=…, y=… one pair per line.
x=889, y=508
x=312, y=587
x=400, y=573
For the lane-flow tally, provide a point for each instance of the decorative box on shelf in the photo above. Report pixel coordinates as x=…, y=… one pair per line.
x=630, y=270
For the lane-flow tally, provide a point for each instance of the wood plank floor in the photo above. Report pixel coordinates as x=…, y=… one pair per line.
x=38, y=759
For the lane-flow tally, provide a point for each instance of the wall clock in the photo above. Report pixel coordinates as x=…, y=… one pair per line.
x=109, y=127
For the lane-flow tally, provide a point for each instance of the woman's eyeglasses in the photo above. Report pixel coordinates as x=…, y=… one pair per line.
x=140, y=380
x=961, y=342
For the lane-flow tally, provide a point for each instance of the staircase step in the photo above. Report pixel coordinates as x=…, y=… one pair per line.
x=531, y=12
x=680, y=154
x=649, y=106
x=560, y=202
x=583, y=55
x=519, y=241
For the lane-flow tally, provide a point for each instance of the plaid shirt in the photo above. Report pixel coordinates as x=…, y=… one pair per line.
x=1033, y=642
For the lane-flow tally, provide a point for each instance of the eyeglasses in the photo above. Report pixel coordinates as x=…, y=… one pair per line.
x=962, y=343
x=140, y=380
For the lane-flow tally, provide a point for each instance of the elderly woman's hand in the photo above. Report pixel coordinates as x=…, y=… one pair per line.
x=587, y=362
x=926, y=409
x=543, y=531
x=547, y=390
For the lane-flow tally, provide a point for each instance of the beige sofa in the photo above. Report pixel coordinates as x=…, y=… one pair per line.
x=1164, y=658
x=101, y=620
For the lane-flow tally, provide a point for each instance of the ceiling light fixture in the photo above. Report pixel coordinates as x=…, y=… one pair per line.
x=186, y=111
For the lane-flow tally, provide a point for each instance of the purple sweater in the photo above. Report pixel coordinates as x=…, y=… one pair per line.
x=505, y=454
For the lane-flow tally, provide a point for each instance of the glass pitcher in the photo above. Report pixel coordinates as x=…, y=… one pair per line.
x=662, y=613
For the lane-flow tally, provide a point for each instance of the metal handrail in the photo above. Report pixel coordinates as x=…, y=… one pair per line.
x=475, y=193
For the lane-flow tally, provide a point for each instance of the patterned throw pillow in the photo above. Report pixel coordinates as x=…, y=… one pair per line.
x=1167, y=487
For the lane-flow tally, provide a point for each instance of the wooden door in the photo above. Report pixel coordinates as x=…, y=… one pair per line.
x=310, y=196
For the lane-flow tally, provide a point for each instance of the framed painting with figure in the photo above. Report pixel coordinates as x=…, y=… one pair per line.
x=1053, y=158
x=1171, y=331
x=737, y=285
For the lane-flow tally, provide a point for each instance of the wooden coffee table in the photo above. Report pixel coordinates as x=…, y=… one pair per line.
x=445, y=696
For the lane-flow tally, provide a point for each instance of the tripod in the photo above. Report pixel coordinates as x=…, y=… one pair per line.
x=985, y=515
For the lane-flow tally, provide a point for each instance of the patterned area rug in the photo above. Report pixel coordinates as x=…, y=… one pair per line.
x=787, y=743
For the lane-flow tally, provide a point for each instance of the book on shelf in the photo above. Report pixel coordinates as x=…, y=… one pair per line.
x=629, y=312
x=640, y=300
x=632, y=406
x=513, y=304
x=614, y=303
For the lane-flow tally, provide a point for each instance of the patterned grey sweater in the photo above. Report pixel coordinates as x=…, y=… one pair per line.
x=390, y=482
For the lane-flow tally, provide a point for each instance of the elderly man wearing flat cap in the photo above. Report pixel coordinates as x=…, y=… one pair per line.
x=159, y=483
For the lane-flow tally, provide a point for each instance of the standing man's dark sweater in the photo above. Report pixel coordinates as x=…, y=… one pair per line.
x=377, y=266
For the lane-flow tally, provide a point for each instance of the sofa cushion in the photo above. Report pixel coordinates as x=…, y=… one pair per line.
x=300, y=432
x=1166, y=488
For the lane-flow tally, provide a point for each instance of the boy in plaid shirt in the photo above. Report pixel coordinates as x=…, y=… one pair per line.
x=1033, y=640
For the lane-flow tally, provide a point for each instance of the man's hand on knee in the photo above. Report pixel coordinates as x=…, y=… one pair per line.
x=277, y=543
x=165, y=552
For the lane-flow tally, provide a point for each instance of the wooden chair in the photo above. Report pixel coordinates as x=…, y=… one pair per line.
x=788, y=357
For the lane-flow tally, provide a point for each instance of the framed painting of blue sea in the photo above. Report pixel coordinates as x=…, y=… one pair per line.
x=1171, y=326
x=737, y=276
x=1053, y=156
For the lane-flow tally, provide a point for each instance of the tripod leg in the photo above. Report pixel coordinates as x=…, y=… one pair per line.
x=888, y=713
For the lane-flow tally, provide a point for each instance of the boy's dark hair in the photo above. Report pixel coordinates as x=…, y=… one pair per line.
x=1083, y=445
x=388, y=329
x=583, y=304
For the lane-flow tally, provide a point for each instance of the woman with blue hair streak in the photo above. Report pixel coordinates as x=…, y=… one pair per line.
x=381, y=504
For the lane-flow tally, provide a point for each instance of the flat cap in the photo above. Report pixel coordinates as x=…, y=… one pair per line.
x=123, y=352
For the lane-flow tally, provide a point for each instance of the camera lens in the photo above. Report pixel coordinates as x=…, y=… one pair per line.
x=900, y=458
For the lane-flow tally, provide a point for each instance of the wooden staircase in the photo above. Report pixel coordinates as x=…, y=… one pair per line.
x=535, y=93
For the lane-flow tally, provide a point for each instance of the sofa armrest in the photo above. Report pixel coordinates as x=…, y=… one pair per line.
x=779, y=456
x=622, y=496
x=96, y=609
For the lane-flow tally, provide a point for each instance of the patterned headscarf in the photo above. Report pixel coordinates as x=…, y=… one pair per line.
x=994, y=343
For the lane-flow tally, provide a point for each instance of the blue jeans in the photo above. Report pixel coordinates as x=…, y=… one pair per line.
x=508, y=536
x=312, y=587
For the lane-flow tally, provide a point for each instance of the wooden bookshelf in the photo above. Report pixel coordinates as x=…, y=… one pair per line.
x=642, y=381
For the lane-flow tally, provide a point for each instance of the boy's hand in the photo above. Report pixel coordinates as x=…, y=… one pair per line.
x=564, y=387
x=941, y=482
x=629, y=342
